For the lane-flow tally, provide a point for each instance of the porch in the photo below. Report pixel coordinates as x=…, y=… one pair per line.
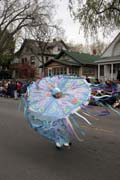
x=108, y=71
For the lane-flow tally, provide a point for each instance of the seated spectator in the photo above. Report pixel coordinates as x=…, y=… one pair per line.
x=116, y=104
x=87, y=79
x=108, y=87
x=96, y=81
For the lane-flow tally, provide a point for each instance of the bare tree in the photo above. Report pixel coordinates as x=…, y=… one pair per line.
x=97, y=48
x=43, y=36
x=76, y=47
x=16, y=15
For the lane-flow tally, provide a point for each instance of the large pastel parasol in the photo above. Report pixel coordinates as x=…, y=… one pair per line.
x=59, y=96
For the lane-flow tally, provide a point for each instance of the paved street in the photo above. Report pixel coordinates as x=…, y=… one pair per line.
x=24, y=155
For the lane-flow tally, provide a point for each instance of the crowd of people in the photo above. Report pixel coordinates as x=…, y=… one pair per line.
x=108, y=90
x=12, y=88
x=15, y=88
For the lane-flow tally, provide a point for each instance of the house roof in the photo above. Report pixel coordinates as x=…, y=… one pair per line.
x=111, y=43
x=33, y=44
x=108, y=59
x=53, y=44
x=80, y=58
x=76, y=58
x=108, y=54
x=62, y=61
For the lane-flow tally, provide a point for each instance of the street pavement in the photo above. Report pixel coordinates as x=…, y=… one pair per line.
x=24, y=155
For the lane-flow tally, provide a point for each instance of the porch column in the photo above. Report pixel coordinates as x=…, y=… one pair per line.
x=80, y=70
x=111, y=71
x=13, y=74
x=99, y=71
x=105, y=72
x=67, y=70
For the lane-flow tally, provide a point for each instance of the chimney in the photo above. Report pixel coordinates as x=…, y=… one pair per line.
x=94, y=52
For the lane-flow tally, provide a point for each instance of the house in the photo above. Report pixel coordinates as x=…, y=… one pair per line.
x=31, y=55
x=109, y=62
x=72, y=63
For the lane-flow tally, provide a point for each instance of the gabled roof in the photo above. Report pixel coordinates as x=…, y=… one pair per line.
x=75, y=58
x=111, y=43
x=26, y=43
x=80, y=58
x=108, y=54
x=55, y=42
x=62, y=61
x=108, y=59
x=33, y=44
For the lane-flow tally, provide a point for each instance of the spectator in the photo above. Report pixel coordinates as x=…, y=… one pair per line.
x=87, y=79
x=13, y=89
x=1, y=90
x=118, y=76
x=96, y=81
x=19, y=87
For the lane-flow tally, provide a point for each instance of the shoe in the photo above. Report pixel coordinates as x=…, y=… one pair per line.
x=58, y=146
x=68, y=145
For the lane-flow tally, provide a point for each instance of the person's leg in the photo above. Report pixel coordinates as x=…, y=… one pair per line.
x=62, y=137
x=15, y=94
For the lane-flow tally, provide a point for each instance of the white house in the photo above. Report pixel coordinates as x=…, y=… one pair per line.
x=109, y=62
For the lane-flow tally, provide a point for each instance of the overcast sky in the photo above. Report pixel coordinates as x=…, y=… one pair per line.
x=71, y=28
x=72, y=32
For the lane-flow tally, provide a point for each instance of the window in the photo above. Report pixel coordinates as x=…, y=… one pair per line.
x=88, y=70
x=74, y=71
x=57, y=70
x=116, y=68
x=24, y=60
x=64, y=70
x=32, y=58
x=101, y=70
